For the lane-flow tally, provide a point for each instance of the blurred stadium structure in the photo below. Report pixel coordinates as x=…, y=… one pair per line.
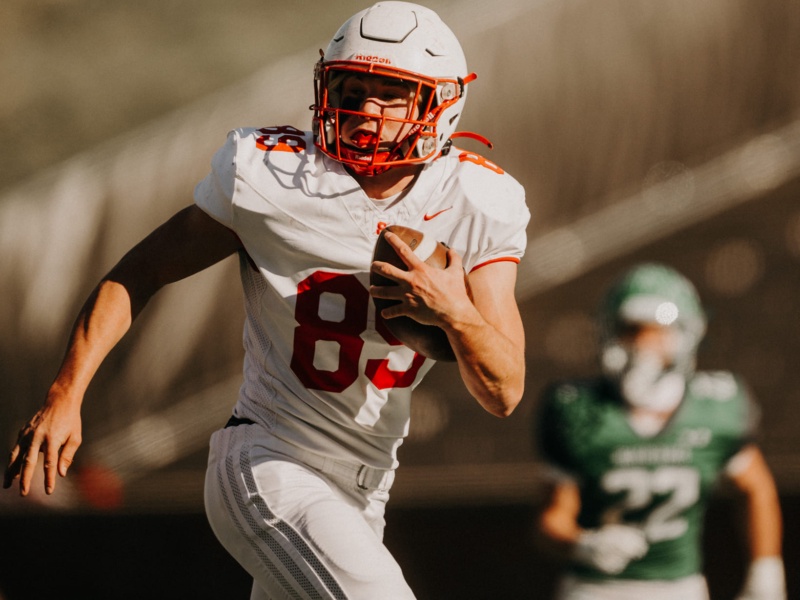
x=666, y=131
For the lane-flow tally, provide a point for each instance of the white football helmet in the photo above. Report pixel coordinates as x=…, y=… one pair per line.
x=396, y=40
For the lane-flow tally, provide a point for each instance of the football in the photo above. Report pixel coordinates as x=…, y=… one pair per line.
x=428, y=340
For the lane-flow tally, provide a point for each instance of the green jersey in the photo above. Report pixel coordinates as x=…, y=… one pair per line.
x=660, y=483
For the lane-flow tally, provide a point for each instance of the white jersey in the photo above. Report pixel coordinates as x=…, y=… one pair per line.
x=319, y=372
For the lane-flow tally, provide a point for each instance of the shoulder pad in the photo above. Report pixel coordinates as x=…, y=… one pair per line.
x=715, y=385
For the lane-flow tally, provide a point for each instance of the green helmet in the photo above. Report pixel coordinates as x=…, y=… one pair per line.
x=657, y=294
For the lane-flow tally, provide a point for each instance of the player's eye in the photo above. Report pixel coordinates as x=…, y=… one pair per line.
x=396, y=90
x=395, y=97
x=352, y=102
x=353, y=86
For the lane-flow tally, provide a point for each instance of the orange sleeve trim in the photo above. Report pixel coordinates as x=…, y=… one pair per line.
x=513, y=259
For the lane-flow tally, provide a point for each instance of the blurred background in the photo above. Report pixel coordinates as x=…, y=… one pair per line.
x=641, y=130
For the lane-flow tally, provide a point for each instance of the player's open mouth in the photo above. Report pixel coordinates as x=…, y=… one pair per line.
x=365, y=141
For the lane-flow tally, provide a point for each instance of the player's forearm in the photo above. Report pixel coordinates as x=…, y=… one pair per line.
x=491, y=365
x=103, y=321
x=557, y=527
x=765, y=521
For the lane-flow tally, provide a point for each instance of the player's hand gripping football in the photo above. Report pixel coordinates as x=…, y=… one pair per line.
x=426, y=294
x=54, y=430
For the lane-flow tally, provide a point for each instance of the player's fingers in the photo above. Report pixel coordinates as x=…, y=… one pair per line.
x=396, y=310
x=389, y=271
x=387, y=292
x=29, y=459
x=405, y=252
x=67, y=455
x=50, y=465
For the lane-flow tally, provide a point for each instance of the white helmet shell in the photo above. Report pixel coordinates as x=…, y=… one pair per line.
x=402, y=35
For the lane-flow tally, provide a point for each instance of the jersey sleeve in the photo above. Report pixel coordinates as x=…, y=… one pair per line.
x=214, y=194
x=507, y=221
x=728, y=406
x=496, y=230
x=504, y=244
x=748, y=432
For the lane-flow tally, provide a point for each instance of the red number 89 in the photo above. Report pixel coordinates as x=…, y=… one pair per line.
x=346, y=333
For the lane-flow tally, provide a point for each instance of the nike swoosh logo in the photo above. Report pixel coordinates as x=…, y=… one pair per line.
x=436, y=214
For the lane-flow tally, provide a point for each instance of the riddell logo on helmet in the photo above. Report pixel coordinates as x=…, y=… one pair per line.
x=373, y=59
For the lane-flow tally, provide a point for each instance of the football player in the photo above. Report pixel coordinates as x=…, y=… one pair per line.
x=635, y=453
x=298, y=480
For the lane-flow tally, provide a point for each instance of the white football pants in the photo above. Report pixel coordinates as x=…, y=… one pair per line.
x=304, y=526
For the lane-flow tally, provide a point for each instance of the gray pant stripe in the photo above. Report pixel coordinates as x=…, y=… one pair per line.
x=275, y=535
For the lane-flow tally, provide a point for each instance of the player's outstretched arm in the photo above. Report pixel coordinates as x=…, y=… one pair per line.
x=485, y=332
x=765, y=579
x=187, y=243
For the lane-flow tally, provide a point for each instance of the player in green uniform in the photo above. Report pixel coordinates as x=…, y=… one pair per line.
x=636, y=452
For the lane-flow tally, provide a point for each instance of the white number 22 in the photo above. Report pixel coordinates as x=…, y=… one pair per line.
x=681, y=485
